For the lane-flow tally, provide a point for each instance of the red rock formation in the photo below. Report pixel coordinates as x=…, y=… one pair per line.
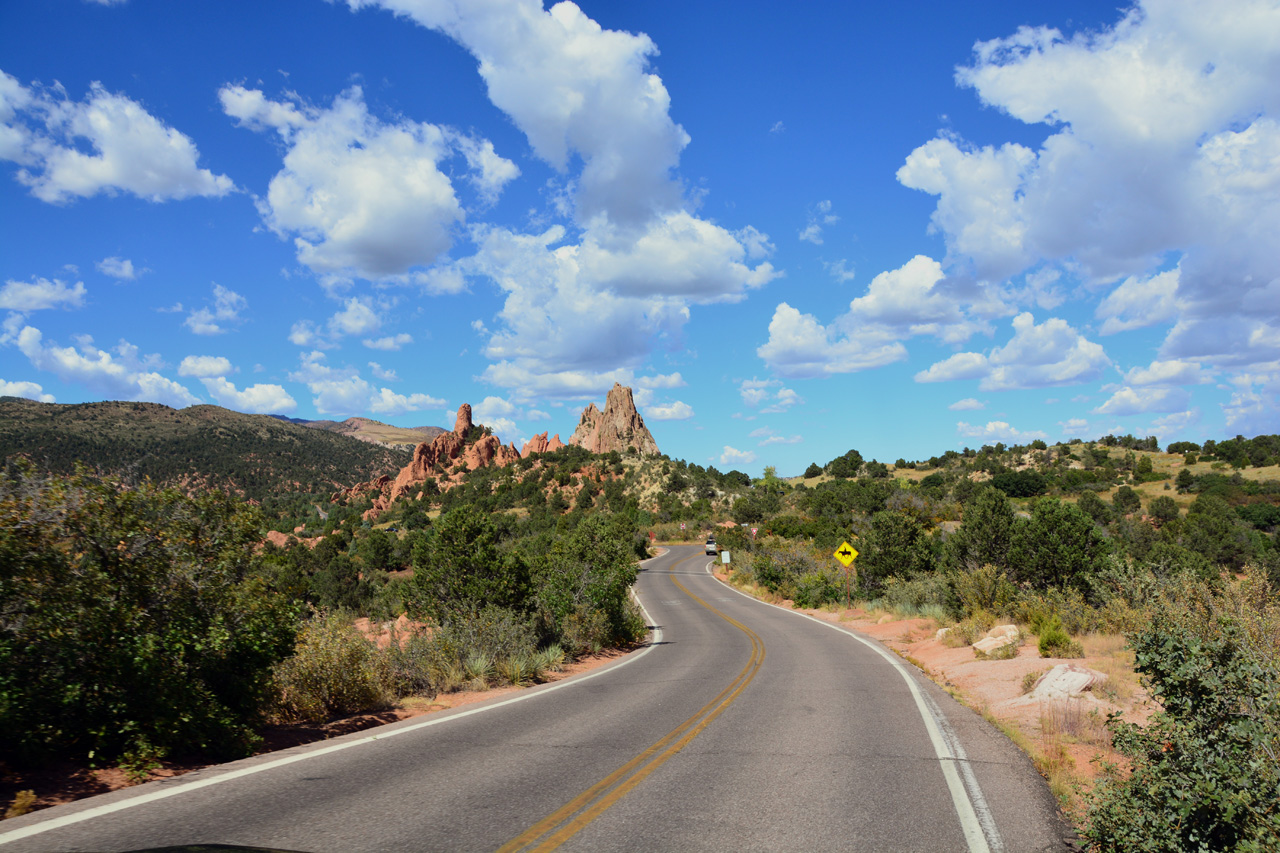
x=462, y=425
x=487, y=451
x=618, y=427
x=537, y=444
x=540, y=444
x=359, y=489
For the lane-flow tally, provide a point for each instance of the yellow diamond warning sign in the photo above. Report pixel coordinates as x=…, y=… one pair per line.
x=846, y=554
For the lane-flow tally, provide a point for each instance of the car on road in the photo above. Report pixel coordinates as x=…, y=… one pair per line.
x=711, y=546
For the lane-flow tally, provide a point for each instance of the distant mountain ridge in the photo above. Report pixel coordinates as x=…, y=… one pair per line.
x=196, y=447
x=376, y=432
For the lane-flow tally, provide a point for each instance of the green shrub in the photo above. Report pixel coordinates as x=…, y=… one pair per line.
x=585, y=631
x=817, y=588
x=582, y=585
x=924, y=595
x=1055, y=642
x=485, y=634
x=983, y=588
x=765, y=571
x=1031, y=679
x=334, y=671
x=1205, y=774
x=1067, y=605
x=134, y=620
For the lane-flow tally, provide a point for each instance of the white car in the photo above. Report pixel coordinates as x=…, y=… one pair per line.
x=711, y=547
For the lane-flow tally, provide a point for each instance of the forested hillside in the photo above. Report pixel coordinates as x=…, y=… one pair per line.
x=201, y=447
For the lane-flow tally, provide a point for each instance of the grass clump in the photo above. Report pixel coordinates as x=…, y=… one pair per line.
x=1031, y=679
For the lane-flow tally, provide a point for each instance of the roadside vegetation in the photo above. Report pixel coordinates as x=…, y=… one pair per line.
x=506, y=575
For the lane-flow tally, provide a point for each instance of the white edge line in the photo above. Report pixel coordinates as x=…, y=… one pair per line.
x=969, y=822
x=171, y=789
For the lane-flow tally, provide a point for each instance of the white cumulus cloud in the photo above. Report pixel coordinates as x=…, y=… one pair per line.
x=30, y=390
x=203, y=366
x=572, y=87
x=216, y=319
x=121, y=376
x=1038, y=356
x=256, y=399
x=357, y=317
x=998, y=431
x=390, y=343
x=359, y=196
x=1131, y=401
x=1167, y=373
x=733, y=456
x=1138, y=302
x=41, y=294
x=342, y=391
x=1163, y=146
x=800, y=346
x=673, y=411
x=758, y=392
x=594, y=300
x=105, y=143
x=118, y=268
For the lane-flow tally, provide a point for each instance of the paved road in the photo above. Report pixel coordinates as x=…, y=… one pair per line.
x=743, y=727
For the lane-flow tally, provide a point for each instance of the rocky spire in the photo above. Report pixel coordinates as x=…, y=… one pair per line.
x=618, y=427
x=463, y=424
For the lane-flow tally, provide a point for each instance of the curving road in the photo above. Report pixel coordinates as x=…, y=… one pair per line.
x=742, y=727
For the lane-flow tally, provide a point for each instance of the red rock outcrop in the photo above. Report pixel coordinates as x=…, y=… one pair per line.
x=618, y=427
x=359, y=489
x=540, y=444
x=488, y=451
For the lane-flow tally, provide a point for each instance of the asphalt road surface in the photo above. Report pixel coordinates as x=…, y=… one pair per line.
x=741, y=727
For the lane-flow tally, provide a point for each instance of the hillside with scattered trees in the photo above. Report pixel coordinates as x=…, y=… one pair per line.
x=197, y=448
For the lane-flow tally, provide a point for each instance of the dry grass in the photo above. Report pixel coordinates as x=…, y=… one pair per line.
x=1108, y=654
x=1050, y=757
x=23, y=803
x=1074, y=721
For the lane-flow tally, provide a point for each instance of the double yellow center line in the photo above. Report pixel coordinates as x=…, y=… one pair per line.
x=557, y=828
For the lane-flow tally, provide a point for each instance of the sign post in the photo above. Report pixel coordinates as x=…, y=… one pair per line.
x=846, y=554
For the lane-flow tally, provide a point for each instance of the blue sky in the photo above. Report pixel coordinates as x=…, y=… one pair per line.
x=899, y=227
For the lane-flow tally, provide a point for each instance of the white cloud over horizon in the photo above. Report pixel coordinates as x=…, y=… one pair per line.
x=342, y=391
x=119, y=376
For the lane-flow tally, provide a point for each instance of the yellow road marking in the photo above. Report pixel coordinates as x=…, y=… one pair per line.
x=586, y=807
